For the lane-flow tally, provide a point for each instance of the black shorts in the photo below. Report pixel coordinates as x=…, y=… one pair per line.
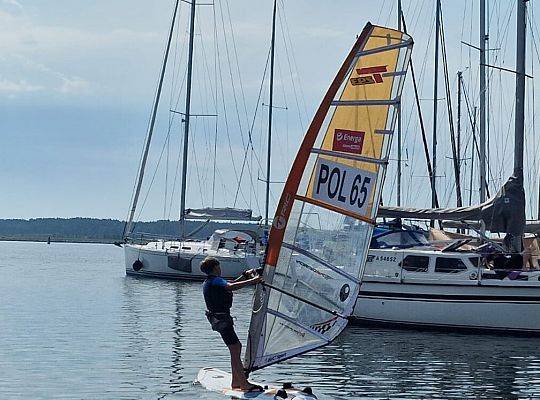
x=229, y=336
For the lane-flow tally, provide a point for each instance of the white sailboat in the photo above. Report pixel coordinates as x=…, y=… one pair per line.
x=179, y=258
x=307, y=297
x=424, y=285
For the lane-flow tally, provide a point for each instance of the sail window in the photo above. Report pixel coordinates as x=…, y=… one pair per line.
x=449, y=265
x=415, y=263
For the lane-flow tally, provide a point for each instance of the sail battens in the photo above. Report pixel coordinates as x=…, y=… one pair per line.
x=381, y=49
x=384, y=131
x=303, y=300
x=299, y=325
x=355, y=157
x=336, y=209
x=374, y=102
x=320, y=261
x=395, y=73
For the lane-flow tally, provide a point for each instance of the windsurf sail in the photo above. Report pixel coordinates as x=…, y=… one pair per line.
x=323, y=223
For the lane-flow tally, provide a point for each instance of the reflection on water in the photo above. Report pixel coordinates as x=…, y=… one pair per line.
x=73, y=326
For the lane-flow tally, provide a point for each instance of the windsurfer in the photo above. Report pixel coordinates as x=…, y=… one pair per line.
x=218, y=297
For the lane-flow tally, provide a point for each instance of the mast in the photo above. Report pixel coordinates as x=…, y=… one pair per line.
x=482, y=101
x=520, y=89
x=270, y=109
x=460, y=78
x=398, y=109
x=472, y=158
x=435, y=81
x=129, y=223
x=186, y=121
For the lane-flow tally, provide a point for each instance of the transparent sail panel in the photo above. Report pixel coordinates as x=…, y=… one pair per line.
x=324, y=221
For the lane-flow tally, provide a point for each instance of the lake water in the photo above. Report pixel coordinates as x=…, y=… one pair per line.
x=73, y=326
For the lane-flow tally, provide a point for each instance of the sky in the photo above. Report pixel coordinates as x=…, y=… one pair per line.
x=78, y=78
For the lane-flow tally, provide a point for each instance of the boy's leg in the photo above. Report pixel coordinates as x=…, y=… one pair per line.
x=239, y=380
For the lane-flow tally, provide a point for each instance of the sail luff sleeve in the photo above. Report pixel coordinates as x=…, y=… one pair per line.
x=323, y=223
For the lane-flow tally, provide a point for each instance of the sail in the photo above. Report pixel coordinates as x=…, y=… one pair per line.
x=323, y=223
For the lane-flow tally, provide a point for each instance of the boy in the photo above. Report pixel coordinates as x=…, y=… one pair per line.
x=218, y=297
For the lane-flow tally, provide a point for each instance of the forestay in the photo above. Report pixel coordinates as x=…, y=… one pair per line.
x=324, y=220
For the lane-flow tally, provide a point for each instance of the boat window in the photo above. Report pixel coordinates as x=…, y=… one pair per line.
x=449, y=265
x=399, y=239
x=415, y=263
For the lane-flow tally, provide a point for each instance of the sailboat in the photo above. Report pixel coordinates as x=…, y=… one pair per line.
x=307, y=296
x=179, y=258
x=487, y=288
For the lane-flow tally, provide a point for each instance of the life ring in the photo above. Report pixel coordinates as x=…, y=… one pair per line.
x=137, y=265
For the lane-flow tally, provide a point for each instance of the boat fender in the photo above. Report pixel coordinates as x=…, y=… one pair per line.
x=281, y=393
x=137, y=265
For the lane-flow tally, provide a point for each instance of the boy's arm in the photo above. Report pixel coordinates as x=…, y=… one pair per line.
x=232, y=286
x=250, y=273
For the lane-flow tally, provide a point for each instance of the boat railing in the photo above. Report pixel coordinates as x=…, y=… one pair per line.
x=146, y=237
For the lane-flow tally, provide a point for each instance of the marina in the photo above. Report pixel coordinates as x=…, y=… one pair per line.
x=316, y=212
x=97, y=334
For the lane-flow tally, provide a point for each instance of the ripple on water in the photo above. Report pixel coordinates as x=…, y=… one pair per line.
x=73, y=326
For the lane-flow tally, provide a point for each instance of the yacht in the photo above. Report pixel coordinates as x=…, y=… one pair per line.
x=410, y=281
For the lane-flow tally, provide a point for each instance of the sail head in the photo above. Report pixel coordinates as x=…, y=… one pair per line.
x=323, y=223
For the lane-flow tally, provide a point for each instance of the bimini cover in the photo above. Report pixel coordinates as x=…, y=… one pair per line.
x=503, y=213
x=225, y=214
x=324, y=220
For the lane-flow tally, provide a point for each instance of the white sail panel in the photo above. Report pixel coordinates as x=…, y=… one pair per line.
x=322, y=228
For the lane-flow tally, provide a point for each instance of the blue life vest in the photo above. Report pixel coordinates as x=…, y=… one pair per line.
x=216, y=296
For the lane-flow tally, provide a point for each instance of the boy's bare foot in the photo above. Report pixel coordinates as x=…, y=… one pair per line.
x=249, y=387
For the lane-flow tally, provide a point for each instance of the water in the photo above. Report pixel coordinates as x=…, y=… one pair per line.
x=73, y=326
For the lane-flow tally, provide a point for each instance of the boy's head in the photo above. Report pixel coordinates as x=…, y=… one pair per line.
x=210, y=266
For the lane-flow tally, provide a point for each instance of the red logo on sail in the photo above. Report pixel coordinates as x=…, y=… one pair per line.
x=369, y=75
x=348, y=141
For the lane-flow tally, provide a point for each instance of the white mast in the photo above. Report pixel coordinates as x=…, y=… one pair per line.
x=186, y=121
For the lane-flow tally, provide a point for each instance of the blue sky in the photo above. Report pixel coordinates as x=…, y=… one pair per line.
x=77, y=80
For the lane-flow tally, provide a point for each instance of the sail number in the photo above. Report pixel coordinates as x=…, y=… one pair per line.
x=343, y=186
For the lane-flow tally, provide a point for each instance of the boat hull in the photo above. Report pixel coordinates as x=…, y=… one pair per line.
x=159, y=263
x=495, y=307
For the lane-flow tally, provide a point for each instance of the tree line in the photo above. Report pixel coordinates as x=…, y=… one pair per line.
x=101, y=230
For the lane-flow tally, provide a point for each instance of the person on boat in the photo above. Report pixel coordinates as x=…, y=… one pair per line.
x=218, y=297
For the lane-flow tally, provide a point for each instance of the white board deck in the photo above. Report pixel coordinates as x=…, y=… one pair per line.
x=219, y=381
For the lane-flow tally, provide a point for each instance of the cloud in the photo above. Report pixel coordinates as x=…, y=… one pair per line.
x=74, y=85
x=55, y=58
x=21, y=86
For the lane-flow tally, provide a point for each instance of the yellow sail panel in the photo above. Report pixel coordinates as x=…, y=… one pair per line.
x=359, y=130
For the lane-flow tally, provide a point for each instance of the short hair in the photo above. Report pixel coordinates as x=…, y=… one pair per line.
x=208, y=264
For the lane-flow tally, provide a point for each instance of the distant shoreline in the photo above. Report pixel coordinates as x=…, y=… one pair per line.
x=103, y=231
x=57, y=240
